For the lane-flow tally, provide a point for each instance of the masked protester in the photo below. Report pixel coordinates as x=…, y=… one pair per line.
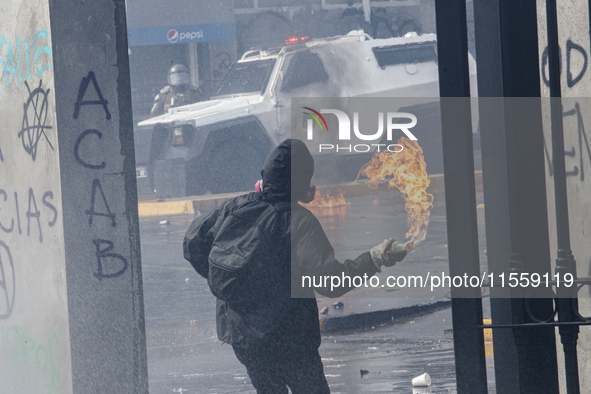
x=178, y=92
x=254, y=250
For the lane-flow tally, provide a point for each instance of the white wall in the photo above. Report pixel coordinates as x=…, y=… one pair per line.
x=573, y=26
x=34, y=330
x=71, y=303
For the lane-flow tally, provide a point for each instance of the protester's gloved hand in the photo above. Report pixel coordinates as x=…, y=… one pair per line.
x=383, y=256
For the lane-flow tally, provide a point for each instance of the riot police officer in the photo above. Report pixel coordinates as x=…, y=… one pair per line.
x=178, y=92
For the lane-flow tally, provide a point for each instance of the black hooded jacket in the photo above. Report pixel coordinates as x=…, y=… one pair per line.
x=294, y=244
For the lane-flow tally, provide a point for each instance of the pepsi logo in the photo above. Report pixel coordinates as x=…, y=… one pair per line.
x=173, y=36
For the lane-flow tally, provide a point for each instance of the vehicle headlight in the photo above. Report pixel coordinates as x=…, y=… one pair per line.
x=181, y=135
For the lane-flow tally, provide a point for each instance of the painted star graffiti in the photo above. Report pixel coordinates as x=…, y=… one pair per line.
x=34, y=120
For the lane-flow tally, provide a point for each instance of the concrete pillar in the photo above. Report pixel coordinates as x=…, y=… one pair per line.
x=71, y=302
x=574, y=31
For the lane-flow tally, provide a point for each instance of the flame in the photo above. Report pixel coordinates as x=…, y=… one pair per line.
x=407, y=171
x=328, y=201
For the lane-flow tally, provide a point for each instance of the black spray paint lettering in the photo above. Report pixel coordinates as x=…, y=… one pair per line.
x=1, y=157
x=103, y=247
x=582, y=137
x=82, y=91
x=7, y=281
x=5, y=229
x=50, y=206
x=18, y=216
x=34, y=119
x=571, y=47
x=571, y=153
x=31, y=214
x=77, y=147
x=96, y=185
x=101, y=254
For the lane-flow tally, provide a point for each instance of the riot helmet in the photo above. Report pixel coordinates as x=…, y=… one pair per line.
x=178, y=75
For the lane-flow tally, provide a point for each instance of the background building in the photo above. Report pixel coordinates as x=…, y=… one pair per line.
x=211, y=35
x=199, y=34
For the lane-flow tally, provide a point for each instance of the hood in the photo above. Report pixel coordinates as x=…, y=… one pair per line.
x=207, y=112
x=287, y=171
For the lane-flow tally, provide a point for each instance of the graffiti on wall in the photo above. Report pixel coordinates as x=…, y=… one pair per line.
x=29, y=213
x=581, y=151
x=574, y=72
x=35, y=120
x=32, y=223
x=109, y=264
x=7, y=282
x=30, y=60
x=21, y=354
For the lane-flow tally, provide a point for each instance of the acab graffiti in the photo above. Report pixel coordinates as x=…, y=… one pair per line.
x=29, y=59
x=109, y=263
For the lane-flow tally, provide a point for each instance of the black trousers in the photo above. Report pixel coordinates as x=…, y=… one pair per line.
x=274, y=366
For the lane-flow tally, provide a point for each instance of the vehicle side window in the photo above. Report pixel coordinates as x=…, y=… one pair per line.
x=246, y=77
x=403, y=54
x=305, y=68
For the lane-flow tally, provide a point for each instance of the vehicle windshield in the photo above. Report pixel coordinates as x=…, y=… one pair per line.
x=247, y=77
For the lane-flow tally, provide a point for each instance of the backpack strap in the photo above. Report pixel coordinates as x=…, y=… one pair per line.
x=271, y=209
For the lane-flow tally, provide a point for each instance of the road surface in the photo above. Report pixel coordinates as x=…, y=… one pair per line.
x=185, y=356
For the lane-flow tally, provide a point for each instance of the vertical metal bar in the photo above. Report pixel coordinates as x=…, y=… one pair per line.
x=565, y=263
x=529, y=239
x=462, y=233
x=487, y=29
x=560, y=193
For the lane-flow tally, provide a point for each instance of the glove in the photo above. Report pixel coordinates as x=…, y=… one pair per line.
x=383, y=256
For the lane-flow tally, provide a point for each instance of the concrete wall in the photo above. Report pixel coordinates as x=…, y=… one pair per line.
x=71, y=309
x=574, y=30
x=34, y=329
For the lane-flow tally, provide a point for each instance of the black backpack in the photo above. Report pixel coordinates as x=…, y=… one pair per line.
x=249, y=262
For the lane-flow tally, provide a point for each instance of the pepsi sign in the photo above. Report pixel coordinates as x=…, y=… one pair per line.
x=173, y=36
x=164, y=35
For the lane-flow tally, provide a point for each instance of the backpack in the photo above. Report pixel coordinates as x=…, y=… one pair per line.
x=249, y=262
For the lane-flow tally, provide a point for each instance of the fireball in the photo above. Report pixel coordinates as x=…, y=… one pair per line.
x=407, y=171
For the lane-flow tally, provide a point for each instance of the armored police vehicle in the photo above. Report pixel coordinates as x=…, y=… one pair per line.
x=219, y=145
